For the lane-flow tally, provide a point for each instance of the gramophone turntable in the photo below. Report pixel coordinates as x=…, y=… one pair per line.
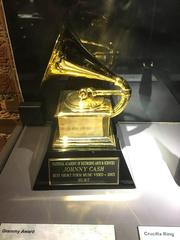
x=84, y=149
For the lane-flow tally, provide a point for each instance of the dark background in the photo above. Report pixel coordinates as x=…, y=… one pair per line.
x=140, y=31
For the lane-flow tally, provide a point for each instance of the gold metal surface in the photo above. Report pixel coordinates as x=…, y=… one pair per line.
x=59, y=65
x=104, y=53
x=84, y=115
x=84, y=143
x=83, y=123
x=71, y=102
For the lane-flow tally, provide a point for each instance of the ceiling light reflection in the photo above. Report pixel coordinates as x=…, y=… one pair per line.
x=110, y=196
x=128, y=195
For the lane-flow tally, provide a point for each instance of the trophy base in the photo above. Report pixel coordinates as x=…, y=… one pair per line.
x=65, y=144
x=83, y=168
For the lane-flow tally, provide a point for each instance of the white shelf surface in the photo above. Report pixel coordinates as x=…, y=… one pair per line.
x=152, y=152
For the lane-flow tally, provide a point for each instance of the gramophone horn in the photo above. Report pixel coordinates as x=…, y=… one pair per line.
x=71, y=59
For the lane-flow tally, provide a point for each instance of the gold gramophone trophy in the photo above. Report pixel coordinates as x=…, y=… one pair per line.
x=84, y=149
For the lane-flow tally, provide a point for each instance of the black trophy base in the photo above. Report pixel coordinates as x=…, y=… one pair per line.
x=83, y=169
x=92, y=169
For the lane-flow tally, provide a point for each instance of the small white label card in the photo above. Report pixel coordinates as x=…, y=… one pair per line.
x=159, y=233
x=56, y=232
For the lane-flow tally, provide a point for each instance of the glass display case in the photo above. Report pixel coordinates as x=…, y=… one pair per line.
x=131, y=38
x=78, y=64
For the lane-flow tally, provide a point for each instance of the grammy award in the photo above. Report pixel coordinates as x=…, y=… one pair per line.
x=84, y=150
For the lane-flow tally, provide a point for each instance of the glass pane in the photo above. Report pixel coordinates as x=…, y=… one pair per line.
x=134, y=38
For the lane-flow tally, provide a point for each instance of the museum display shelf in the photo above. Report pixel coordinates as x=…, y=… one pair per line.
x=135, y=40
x=149, y=148
x=8, y=147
